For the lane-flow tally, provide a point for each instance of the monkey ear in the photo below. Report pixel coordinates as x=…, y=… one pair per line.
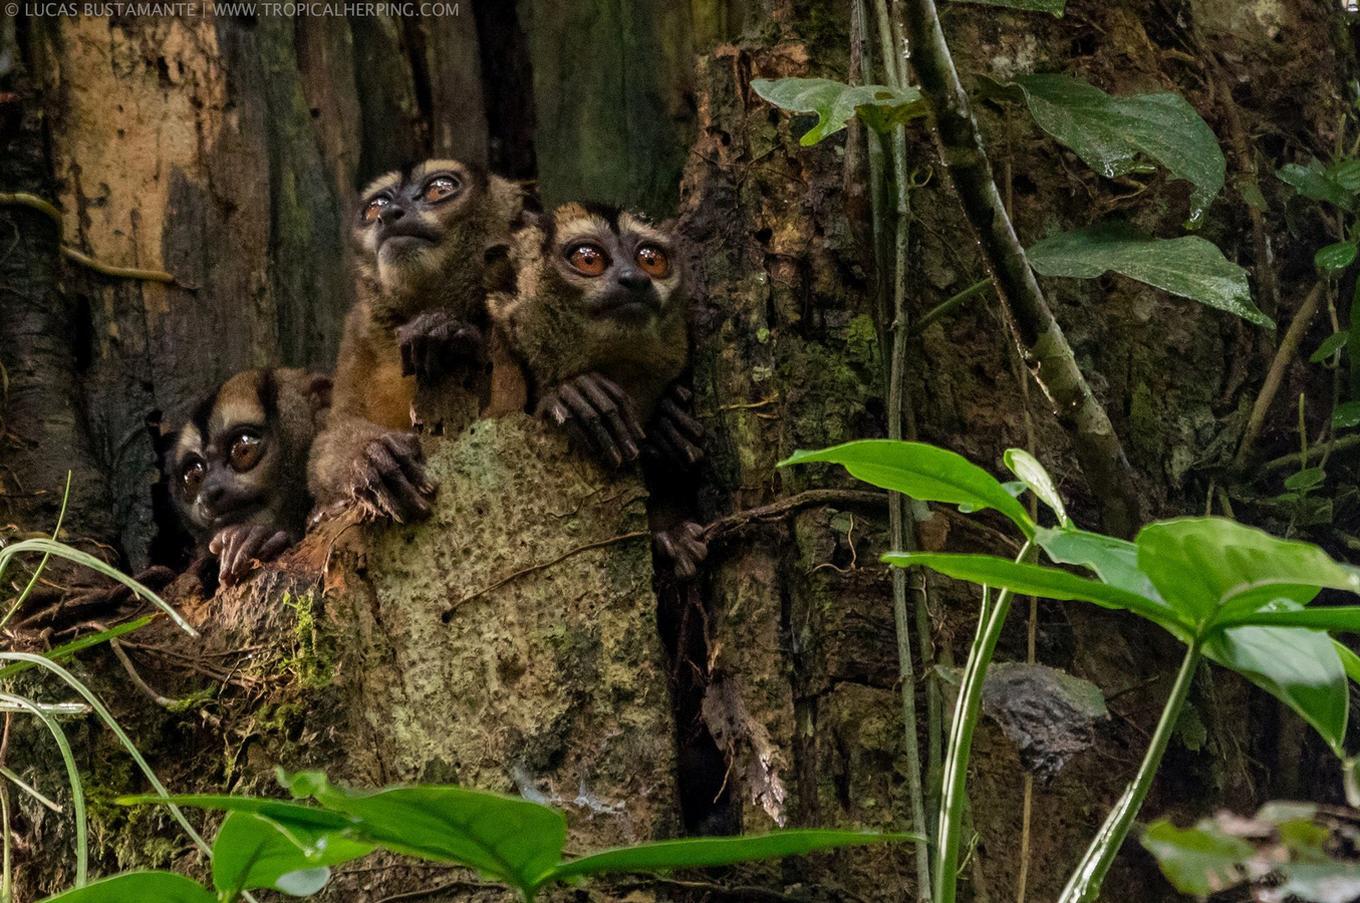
x=162, y=435
x=319, y=386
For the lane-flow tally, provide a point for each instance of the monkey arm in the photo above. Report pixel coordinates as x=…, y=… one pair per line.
x=382, y=471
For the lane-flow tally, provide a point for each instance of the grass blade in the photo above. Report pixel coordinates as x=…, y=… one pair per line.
x=72, y=775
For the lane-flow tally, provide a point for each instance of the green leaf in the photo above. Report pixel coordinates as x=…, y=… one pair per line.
x=1346, y=416
x=1035, y=580
x=502, y=837
x=253, y=851
x=1053, y=7
x=922, y=472
x=1111, y=133
x=708, y=852
x=138, y=887
x=1188, y=266
x=1335, y=257
x=1313, y=182
x=1114, y=560
x=1032, y=474
x=1196, y=861
x=1330, y=346
x=1346, y=173
x=1307, y=478
x=1209, y=567
x=880, y=107
x=1298, y=667
x=1337, y=618
x=1349, y=660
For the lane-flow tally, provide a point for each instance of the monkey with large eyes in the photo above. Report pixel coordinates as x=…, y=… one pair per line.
x=420, y=239
x=599, y=322
x=237, y=467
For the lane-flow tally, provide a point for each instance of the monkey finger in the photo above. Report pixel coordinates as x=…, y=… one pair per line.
x=235, y=564
x=590, y=420
x=409, y=456
x=613, y=418
x=663, y=449
x=665, y=544
x=689, y=452
x=407, y=500
x=627, y=407
x=683, y=420
x=274, y=546
x=684, y=395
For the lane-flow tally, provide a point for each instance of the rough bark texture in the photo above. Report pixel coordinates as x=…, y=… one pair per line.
x=228, y=151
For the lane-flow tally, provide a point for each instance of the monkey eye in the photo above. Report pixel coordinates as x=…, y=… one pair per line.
x=587, y=259
x=373, y=209
x=245, y=452
x=191, y=475
x=654, y=261
x=440, y=188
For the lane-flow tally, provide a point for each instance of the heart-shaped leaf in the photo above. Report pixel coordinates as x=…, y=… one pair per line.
x=1312, y=181
x=922, y=472
x=1335, y=257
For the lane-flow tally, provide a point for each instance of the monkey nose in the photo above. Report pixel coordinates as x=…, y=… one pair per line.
x=391, y=213
x=632, y=278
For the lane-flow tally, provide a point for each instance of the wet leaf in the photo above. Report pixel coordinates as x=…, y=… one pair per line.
x=1188, y=266
x=1110, y=134
x=1335, y=257
x=1312, y=181
x=1330, y=346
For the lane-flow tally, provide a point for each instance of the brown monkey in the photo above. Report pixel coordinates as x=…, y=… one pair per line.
x=599, y=322
x=237, y=468
x=420, y=239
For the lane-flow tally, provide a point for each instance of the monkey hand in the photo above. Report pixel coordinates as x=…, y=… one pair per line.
x=389, y=479
x=241, y=546
x=683, y=547
x=674, y=435
x=598, y=414
x=436, y=343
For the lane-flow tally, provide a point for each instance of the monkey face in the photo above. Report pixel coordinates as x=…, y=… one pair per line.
x=624, y=268
x=224, y=466
x=411, y=222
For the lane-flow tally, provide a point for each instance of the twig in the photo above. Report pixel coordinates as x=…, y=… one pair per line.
x=1289, y=346
x=811, y=498
x=456, y=884
x=899, y=514
x=33, y=202
x=1054, y=366
x=944, y=308
x=599, y=544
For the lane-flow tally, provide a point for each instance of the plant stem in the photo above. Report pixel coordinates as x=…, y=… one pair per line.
x=1051, y=359
x=1289, y=346
x=955, y=797
x=899, y=515
x=948, y=305
x=1084, y=885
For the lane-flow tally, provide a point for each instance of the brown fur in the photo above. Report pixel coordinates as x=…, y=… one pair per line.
x=547, y=327
x=372, y=396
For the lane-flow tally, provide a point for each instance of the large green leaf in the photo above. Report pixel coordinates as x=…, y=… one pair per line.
x=1114, y=560
x=835, y=103
x=252, y=851
x=707, y=852
x=1301, y=668
x=138, y=887
x=1210, y=567
x=502, y=837
x=1110, y=133
x=1053, y=7
x=1336, y=618
x=923, y=472
x=289, y=814
x=1187, y=266
x=1035, y=580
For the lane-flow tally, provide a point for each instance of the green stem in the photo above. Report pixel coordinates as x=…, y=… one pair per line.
x=1084, y=885
x=944, y=308
x=955, y=793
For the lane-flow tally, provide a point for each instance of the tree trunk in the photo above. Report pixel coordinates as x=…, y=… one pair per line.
x=228, y=153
